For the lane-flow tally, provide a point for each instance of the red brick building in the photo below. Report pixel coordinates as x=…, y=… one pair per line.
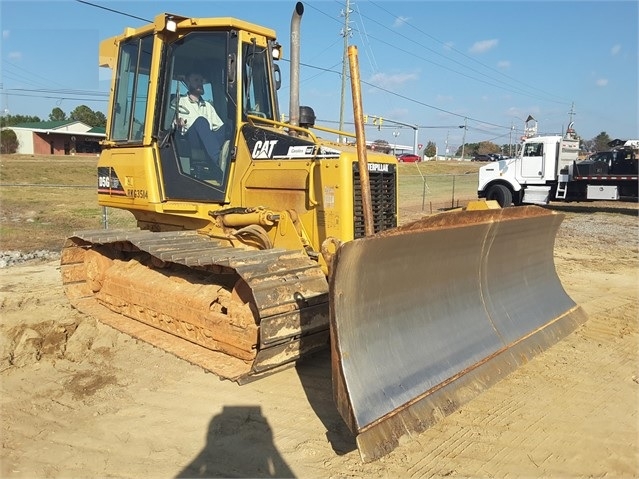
x=67, y=137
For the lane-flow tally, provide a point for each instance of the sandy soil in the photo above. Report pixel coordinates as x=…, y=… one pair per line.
x=82, y=400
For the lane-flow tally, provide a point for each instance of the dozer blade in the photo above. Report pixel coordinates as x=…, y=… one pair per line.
x=426, y=316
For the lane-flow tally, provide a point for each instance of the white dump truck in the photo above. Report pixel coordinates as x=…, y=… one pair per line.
x=547, y=169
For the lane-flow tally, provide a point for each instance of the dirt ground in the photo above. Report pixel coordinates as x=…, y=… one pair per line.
x=82, y=400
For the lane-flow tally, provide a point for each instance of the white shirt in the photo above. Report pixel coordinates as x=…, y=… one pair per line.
x=197, y=109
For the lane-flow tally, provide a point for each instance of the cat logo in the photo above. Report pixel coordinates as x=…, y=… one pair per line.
x=264, y=149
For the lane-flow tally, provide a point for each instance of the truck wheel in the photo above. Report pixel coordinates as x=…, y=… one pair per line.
x=501, y=194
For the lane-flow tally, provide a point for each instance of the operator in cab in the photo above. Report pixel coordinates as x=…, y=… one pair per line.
x=198, y=119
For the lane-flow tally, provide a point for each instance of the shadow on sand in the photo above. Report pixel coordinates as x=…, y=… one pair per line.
x=239, y=443
x=315, y=376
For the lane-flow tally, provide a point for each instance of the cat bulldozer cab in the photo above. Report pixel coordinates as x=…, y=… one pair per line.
x=274, y=241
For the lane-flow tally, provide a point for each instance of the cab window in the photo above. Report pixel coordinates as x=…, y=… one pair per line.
x=534, y=149
x=257, y=93
x=131, y=90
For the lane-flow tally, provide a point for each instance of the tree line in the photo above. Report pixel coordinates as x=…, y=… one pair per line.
x=81, y=113
x=97, y=119
x=9, y=140
x=598, y=143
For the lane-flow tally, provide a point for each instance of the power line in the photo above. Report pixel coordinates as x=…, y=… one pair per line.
x=422, y=32
x=481, y=80
x=367, y=47
x=519, y=88
x=404, y=97
x=60, y=92
x=114, y=11
x=64, y=94
x=25, y=80
x=56, y=97
x=411, y=53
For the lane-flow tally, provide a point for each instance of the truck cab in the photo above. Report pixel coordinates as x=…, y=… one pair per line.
x=531, y=176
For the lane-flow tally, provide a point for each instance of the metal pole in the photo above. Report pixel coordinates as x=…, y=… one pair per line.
x=423, y=193
x=358, y=115
x=446, y=152
x=345, y=33
x=510, y=141
x=452, y=201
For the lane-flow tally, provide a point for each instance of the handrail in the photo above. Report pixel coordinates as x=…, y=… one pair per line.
x=258, y=119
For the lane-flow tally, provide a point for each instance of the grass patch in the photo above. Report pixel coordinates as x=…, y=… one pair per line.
x=450, y=167
x=433, y=186
x=44, y=199
x=48, y=170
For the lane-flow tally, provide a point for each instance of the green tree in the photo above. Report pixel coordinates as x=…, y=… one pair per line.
x=470, y=149
x=57, y=115
x=86, y=115
x=430, y=150
x=12, y=120
x=509, y=149
x=482, y=148
x=8, y=141
x=586, y=145
x=101, y=119
x=487, y=147
x=601, y=141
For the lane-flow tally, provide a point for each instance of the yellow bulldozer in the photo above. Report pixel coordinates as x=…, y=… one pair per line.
x=258, y=241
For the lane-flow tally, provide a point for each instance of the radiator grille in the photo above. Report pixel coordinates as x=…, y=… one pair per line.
x=383, y=198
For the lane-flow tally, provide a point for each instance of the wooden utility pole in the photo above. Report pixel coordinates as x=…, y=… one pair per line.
x=464, y=140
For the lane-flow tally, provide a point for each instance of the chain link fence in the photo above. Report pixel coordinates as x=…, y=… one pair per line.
x=36, y=216
x=419, y=195
x=428, y=194
x=116, y=218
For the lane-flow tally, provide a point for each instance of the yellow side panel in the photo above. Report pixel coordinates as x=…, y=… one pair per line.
x=334, y=191
x=133, y=179
x=276, y=187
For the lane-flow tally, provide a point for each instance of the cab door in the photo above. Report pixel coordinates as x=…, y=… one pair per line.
x=189, y=172
x=532, y=162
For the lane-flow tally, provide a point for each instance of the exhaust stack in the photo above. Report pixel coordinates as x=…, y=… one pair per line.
x=294, y=103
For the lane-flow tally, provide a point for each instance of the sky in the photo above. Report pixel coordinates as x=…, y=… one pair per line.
x=442, y=71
